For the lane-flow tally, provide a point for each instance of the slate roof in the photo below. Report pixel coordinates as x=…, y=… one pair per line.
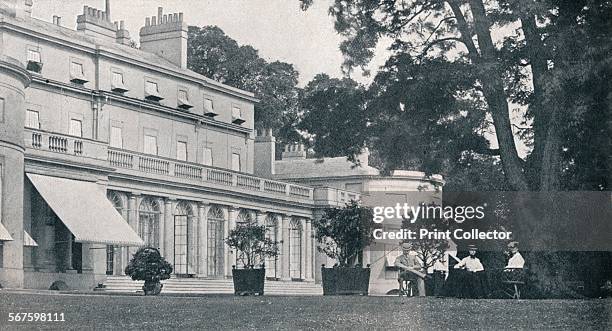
x=327, y=167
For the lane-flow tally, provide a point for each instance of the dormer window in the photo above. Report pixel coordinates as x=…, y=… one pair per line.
x=237, y=115
x=117, y=83
x=183, y=100
x=209, y=109
x=76, y=73
x=34, y=61
x=152, y=92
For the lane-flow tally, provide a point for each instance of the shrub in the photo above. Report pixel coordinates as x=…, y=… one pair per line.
x=251, y=244
x=148, y=265
x=343, y=233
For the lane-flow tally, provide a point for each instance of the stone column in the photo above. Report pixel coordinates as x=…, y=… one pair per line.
x=67, y=265
x=260, y=217
x=88, y=250
x=166, y=230
x=286, y=219
x=309, y=255
x=203, y=239
x=303, y=249
x=230, y=256
x=132, y=213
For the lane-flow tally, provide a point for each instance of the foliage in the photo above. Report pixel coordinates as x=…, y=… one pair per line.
x=251, y=244
x=215, y=55
x=343, y=233
x=147, y=264
x=462, y=73
x=333, y=115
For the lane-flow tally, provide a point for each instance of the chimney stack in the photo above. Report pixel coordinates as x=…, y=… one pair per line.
x=123, y=35
x=294, y=151
x=96, y=23
x=166, y=36
x=264, y=151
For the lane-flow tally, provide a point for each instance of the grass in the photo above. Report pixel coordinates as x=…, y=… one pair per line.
x=358, y=313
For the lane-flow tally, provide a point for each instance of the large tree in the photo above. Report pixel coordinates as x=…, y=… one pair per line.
x=213, y=54
x=532, y=70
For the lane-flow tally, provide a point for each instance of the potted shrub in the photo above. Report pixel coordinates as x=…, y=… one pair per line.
x=342, y=234
x=148, y=265
x=252, y=247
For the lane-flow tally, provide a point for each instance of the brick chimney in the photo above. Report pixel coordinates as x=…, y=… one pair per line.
x=96, y=23
x=265, y=150
x=294, y=151
x=166, y=36
x=123, y=35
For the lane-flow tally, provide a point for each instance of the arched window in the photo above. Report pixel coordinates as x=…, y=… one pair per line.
x=185, y=240
x=148, y=221
x=215, y=258
x=245, y=217
x=116, y=199
x=272, y=234
x=295, y=249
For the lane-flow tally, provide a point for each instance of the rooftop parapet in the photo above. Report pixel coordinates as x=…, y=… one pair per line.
x=95, y=22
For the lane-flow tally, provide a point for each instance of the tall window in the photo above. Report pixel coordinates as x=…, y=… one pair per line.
x=235, y=161
x=116, y=137
x=271, y=233
x=208, y=157
x=117, y=202
x=32, y=120
x=185, y=248
x=150, y=144
x=215, y=257
x=76, y=128
x=295, y=249
x=245, y=217
x=148, y=221
x=181, y=150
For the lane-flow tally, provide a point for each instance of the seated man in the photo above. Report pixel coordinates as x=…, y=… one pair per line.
x=475, y=273
x=410, y=268
x=516, y=260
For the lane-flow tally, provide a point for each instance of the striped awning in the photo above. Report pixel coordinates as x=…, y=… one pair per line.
x=84, y=209
x=28, y=241
x=4, y=234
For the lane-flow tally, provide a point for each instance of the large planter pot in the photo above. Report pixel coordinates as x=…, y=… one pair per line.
x=345, y=281
x=152, y=287
x=249, y=281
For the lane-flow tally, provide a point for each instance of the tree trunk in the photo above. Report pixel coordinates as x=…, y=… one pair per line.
x=493, y=90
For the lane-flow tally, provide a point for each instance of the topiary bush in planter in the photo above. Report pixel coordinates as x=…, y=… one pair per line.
x=252, y=247
x=342, y=234
x=148, y=265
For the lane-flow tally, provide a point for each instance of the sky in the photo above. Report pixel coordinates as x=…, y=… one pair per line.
x=279, y=29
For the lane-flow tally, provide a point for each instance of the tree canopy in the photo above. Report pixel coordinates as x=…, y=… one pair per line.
x=215, y=55
x=538, y=72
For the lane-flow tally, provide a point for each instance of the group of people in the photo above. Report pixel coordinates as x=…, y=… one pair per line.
x=469, y=280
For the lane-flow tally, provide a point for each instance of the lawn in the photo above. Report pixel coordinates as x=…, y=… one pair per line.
x=229, y=312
